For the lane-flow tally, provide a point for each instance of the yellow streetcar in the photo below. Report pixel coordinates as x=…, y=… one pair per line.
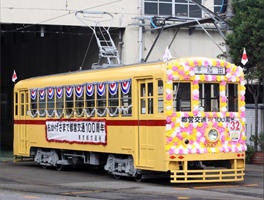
x=185, y=117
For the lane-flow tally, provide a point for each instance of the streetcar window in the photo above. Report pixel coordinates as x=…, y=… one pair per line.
x=209, y=97
x=150, y=98
x=50, y=102
x=22, y=104
x=232, y=97
x=126, y=103
x=142, y=98
x=42, y=103
x=90, y=101
x=59, y=102
x=33, y=106
x=69, y=101
x=16, y=102
x=79, y=100
x=101, y=101
x=113, y=99
x=26, y=100
x=160, y=96
x=181, y=96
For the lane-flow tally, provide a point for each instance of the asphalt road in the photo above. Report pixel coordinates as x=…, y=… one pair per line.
x=25, y=180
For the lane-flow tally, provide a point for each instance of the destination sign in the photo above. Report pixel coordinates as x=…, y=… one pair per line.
x=210, y=70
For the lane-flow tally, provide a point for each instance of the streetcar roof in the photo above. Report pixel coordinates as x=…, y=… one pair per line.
x=128, y=71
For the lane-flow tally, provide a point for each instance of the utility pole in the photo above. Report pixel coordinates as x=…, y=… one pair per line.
x=229, y=14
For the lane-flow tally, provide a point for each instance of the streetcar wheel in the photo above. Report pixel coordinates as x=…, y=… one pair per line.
x=59, y=167
x=138, y=177
x=116, y=176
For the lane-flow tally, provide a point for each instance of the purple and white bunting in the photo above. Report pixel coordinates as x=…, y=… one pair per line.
x=101, y=89
x=125, y=86
x=79, y=91
x=59, y=92
x=33, y=94
x=90, y=89
x=50, y=93
x=113, y=88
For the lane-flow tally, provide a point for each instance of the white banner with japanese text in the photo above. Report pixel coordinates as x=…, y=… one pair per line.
x=91, y=132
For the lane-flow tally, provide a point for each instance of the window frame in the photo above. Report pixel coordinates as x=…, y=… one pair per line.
x=211, y=98
x=173, y=4
x=236, y=104
x=176, y=106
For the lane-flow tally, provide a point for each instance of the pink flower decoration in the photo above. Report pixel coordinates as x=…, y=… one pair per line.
x=207, y=114
x=232, y=115
x=181, y=151
x=186, y=114
x=228, y=70
x=179, y=137
x=198, y=151
x=175, y=143
x=187, y=64
x=205, y=150
x=181, y=72
x=242, y=98
x=168, y=119
x=174, y=68
x=174, y=114
x=242, y=114
x=223, y=99
x=169, y=139
x=223, y=83
x=195, y=82
x=171, y=151
x=214, y=114
x=206, y=77
x=191, y=141
x=215, y=125
x=206, y=63
x=172, y=124
x=195, y=97
x=170, y=77
x=217, y=63
x=195, y=62
x=168, y=97
x=195, y=112
x=214, y=77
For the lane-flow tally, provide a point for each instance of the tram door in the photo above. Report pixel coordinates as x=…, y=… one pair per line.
x=22, y=112
x=146, y=148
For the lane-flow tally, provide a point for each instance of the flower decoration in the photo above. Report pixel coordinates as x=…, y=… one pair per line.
x=185, y=131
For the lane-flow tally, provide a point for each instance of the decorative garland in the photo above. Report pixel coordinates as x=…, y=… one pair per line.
x=113, y=88
x=42, y=94
x=50, y=93
x=177, y=132
x=89, y=89
x=79, y=91
x=101, y=89
x=33, y=94
x=59, y=91
x=69, y=91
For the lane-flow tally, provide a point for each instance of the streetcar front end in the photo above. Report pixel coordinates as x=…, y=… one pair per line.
x=205, y=115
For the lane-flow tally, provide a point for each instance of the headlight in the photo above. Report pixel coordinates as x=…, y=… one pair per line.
x=213, y=135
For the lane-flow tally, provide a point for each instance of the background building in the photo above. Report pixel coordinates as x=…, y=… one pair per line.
x=44, y=37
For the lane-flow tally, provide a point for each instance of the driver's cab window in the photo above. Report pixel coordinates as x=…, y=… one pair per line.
x=181, y=96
